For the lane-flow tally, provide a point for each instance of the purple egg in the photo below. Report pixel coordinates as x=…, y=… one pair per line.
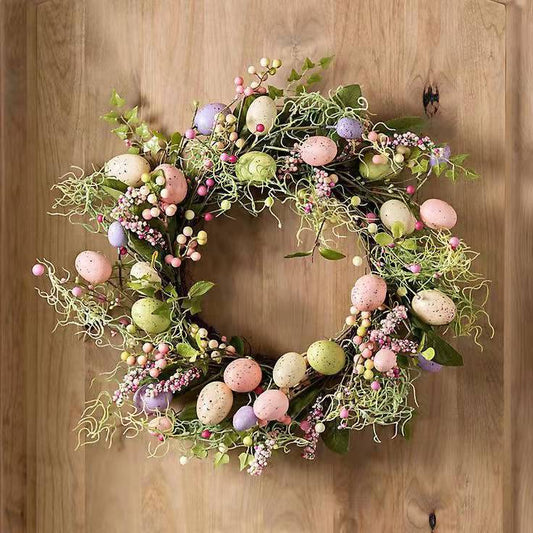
x=205, y=118
x=428, y=366
x=440, y=155
x=116, y=235
x=349, y=128
x=150, y=404
x=244, y=418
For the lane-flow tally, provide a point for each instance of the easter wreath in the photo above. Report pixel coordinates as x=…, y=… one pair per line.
x=339, y=171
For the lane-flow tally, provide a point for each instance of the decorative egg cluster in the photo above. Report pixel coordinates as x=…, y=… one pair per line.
x=341, y=173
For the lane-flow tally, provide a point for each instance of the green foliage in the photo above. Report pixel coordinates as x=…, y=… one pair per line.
x=349, y=96
x=332, y=255
x=337, y=440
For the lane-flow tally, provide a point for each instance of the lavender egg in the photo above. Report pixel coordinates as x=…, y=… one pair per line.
x=206, y=116
x=244, y=418
x=116, y=235
x=349, y=128
x=150, y=404
x=428, y=366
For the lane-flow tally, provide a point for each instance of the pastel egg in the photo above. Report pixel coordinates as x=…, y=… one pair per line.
x=289, y=370
x=127, y=168
x=116, y=235
x=261, y=111
x=255, y=167
x=175, y=183
x=214, y=403
x=206, y=117
x=151, y=315
x=396, y=211
x=433, y=307
x=93, y=267
x=428, y=366
x=326, y=357
x=271, y=405
x=151, y=404
x=437, y=214
x=375, y=171
x=384, y=360
x=369, y=292
x=244, y=418
x=318, y=151
x=145, y=272
x=349, y=128
x=159, y=424
x=243, y=375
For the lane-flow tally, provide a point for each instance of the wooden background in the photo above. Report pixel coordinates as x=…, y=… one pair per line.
x=469, y=460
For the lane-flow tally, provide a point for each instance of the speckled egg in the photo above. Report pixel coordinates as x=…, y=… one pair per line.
x=261, y=111
x=127, y=168
x=244, y=418
x=159, y=424
x=214, y=403
x=206, y=117
x=149, y=404
x=372, y=171
x=349, y=128
x=326, y=357
x=271, y=405
x=289, y=370
x=151, y=315
x=428, y=366
x=255, y=167
x=396, y=211
x=437, y=214
x=369, y=292
x=116, y=235
x=144, y=271
x=384, y=360
x=243, y=375
x=93, y=267
x=433, y=307
x=318, y=151
x=175, y=183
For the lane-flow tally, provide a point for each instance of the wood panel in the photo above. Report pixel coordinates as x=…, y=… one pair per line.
x=56, y=76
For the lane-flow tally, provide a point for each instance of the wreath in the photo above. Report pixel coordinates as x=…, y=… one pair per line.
x=342, y=173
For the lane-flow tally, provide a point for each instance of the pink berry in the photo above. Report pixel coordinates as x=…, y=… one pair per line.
x=100, y=218
x=415, y=269
x=375, y=385
x=202, y=190
x=410, y=189
x=154, y=372
x=148, y=347
x=371, y=217
x=373, y=136
x=208, y=163
x=37, y=269
x=205, y=434
x=163, y=347
x=239, y=89
x=210, y=182
x=196, y=256
x=454, y=242
x=168, y=259
x=176, y=262
x=366, y=353
x=262, y=90
x=419, y=225
x=208, y=217
x=358, y=340
x=344, y=413
x=147, y=214
x=190, y=134
x=378, y=159
x=77, y=291
x=232, y=159
x=238, y=80
x=161, y=364
x=305, y=426
x=248, y=91
x=260, y=128
x=224, y=157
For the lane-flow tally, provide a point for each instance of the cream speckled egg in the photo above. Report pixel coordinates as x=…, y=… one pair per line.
x=369, y=292
x=127, y=168
x=384, y=360
x=271, y=405
x=437, y=214
x=243, y=375
x=261, y=111
x=151, y=315
x=433, y=307
x=326, y=357
x=214, y=403
x=289, y=370
x=396, y=211
x=318, y=151
x=93, y=267
x=159, y=424
x=144, y=271
x=175, y=183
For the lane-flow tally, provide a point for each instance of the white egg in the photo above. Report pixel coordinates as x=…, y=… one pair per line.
x=289, y=370
x=396, y=211
x=144, y=271
x=127, y=168
x=434, y=307
x=261, y=111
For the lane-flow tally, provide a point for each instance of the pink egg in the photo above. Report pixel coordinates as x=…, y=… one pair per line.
x=271, y=405
x=93, y=267
x=437, y=214
x=318, y=151
x=243, y=375
x=369, y=292
x=384, y=360
x=175, y=183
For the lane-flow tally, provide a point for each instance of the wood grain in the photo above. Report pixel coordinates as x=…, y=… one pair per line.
x=469, y=459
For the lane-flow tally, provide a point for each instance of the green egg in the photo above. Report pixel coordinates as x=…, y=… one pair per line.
x=373, y=172
x=255, y=167
x=151, y=315
x=326, y=357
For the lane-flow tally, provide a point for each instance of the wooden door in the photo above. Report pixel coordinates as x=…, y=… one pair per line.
x=164, y=54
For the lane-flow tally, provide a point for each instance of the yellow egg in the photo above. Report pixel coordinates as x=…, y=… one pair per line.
x=214, y=403
x=289, y=370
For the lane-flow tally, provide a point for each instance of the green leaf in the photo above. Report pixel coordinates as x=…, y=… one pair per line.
x=294, y=76
x=307, y=64
x=111, y=117
x=337, y=440
x=143, y=131
x=131, y=115
x=121, y=132
x=332, y=255
x=409, y=244
x=383, y=239
x=325, y=62
x=314, y=78
x=133, y=150
x=440, y=168
x=450, y=174
x=444, y=353
x=244, y=460
x=349, y=96
x=414, y=124
x=193, y=305
x=162, y=310
x=175, y=140
x=459, y=159
x=198, y=450
x=238, y=344
x=117, y=185
x=188, y=413
x=274, y=92
x=298, y=254
x=200, y=288
x=116, y=100
x=221, y=459
x=398, y=229
x=186, y=350
x=429, y=354
x=141, y=247
x=403, y=361
x=243, y=110
x=152, y=145
x=300, y=89
x=301, y=402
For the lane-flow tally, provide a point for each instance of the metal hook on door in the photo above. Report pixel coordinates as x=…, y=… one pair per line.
x=430, y=99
